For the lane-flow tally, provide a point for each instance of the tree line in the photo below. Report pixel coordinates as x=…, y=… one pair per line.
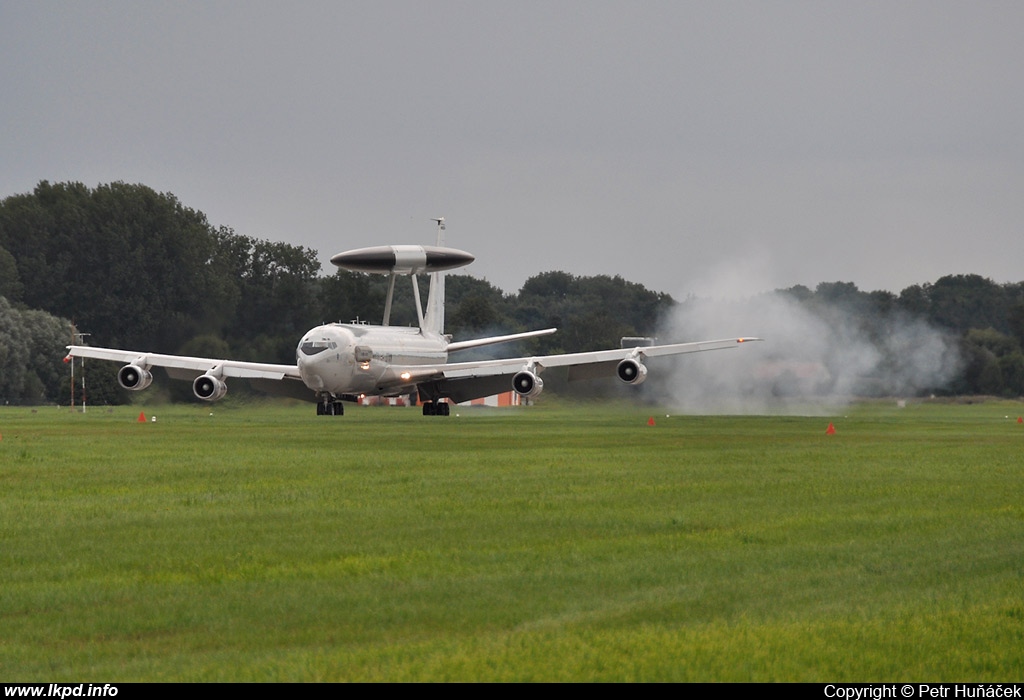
x=984, y=319
x=134, y=268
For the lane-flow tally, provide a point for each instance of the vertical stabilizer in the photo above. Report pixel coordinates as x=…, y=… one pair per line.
x=433, y=322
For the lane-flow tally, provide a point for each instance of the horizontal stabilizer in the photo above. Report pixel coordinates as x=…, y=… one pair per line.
x=494, y=340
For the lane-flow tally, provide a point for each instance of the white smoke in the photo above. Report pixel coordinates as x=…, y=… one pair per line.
x=814, y=357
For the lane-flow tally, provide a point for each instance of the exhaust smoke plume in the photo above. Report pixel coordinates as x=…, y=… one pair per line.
x=816, y=355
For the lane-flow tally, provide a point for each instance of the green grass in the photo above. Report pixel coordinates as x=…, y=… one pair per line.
x=550, y=543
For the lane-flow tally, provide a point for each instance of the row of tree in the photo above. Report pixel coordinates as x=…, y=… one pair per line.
x=985, y=320
x=135, y=268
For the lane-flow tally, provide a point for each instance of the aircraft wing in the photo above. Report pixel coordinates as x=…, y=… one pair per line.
x=462, y=381
x=582, y=359
x=181, y=367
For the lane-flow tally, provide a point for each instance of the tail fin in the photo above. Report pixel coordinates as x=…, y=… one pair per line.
x=433, y=322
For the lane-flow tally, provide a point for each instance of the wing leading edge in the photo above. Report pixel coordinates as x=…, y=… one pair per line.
x=181, y=367
x=463, y=381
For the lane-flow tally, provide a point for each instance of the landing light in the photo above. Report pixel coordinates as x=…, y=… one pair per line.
x=405, y=375
x=364, y=365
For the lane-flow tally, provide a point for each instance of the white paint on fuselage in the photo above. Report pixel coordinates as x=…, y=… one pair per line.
x=327, y=356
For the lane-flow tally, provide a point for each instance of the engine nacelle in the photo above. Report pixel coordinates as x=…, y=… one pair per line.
x=209, y=388
x=527, y=384
x=631, y=371
x=134, y=378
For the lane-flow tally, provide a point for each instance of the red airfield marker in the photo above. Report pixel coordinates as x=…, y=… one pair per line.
x=830, y=430
x=650, y=421
x=1020, y=419
x=142, y=417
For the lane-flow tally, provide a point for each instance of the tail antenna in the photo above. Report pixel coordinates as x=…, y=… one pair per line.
x=440, y=230
x=435, y=295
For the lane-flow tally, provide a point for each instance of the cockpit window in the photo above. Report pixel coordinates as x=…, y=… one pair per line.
x=314, y=347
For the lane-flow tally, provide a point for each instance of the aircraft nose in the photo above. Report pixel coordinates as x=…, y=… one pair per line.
x=319, y=355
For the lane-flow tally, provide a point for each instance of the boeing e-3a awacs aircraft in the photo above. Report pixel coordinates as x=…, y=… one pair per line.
x=340, y=362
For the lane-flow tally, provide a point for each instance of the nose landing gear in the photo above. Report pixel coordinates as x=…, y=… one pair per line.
x=328, y=406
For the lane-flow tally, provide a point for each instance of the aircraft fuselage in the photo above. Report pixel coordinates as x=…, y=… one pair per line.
x=347, y=360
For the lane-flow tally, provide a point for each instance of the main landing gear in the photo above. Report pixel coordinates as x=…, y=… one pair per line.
x=438, y=408
x=326, y=406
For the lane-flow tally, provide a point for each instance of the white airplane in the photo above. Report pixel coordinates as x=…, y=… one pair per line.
x=341, y=362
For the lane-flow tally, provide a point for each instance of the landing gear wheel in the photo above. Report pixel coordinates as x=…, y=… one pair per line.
x=436, y=408
x=327, y=406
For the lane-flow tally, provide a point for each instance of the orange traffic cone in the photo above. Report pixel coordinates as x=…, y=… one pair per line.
x=650, y=421
x=830, y=430
x=142, y=417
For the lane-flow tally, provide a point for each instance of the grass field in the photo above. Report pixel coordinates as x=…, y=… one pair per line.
x=550, y=543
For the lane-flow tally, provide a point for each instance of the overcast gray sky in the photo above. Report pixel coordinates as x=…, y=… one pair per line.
x=713, y=148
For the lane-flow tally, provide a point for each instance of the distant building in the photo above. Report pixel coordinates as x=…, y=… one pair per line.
x=508, y=398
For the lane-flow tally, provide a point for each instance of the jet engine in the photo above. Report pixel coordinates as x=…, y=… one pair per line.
x=631, y=371
x=134, y=378
x=527, y=384
x=209, y=388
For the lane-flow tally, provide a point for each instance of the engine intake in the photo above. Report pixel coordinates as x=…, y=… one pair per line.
x=631, y=371
x=526, y=383
x=134, y=378
x=209, y=388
